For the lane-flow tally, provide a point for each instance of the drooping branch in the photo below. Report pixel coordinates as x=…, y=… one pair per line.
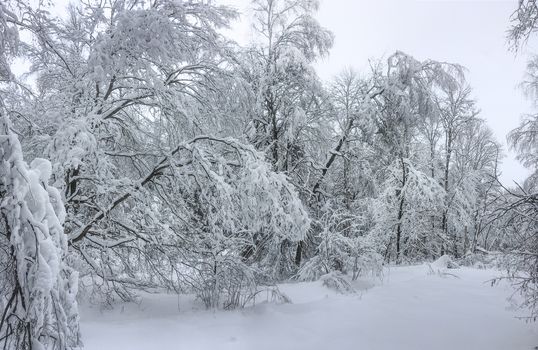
x=157, y=170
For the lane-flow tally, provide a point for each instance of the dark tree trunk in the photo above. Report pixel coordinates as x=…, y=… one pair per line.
x=400, y=215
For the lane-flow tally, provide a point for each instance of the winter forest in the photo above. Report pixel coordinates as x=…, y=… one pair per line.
x=165, y=185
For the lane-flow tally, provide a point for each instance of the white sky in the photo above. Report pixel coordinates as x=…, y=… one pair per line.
x=471, y=33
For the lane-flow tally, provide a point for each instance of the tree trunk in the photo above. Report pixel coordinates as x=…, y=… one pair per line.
x=444, y=220
x=400, y=194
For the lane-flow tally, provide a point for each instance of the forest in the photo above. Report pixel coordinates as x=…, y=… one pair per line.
x=145, y=151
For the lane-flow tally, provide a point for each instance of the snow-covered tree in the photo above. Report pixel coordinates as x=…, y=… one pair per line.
x=518, y=209
x=456, y=111
x=38, y=306
x=524, y=22
x=280, y=72
x=123, y=106
x=407, y=99
x=286, y=102
x=38, y=293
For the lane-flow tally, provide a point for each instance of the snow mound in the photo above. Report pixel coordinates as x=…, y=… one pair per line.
x=444, y=262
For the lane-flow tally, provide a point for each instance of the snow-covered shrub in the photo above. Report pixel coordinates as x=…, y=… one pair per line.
x=37, y=288
x=367, y=262
x=226, y=281
x=222, y=281
x=340, y=247
x=336, y=281
x=483, y=259
x=275, y=295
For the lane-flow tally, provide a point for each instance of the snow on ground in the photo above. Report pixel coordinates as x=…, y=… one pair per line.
x=411, y=308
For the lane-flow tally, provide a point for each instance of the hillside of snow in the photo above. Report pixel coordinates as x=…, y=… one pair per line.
x=412, y=307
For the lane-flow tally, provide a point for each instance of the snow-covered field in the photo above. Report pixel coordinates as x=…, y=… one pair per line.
x=411, y=308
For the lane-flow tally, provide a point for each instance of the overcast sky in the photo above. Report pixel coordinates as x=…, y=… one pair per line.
x=471, y=33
